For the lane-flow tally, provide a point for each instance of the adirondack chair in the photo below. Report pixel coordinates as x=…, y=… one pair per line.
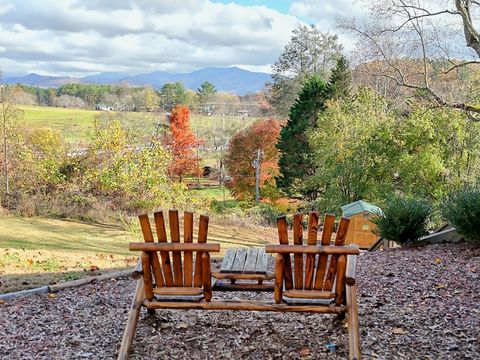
x=165, y=279
x=323, y=275
x=173, y=285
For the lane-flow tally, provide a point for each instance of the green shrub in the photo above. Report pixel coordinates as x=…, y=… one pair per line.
x=404, y=220
x=220, y=207
x=462, y=210
x=264, y=214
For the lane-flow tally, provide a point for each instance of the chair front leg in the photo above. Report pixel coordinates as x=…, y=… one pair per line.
x=279, y=268
x=207, y=279
x=352, y=314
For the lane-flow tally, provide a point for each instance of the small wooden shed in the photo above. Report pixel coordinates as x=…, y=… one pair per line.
x=361, y=230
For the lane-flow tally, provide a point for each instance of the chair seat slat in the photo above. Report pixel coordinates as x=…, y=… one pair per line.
x=180, y=291
x=309, y=294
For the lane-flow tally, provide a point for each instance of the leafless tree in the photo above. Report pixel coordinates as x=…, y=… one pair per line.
x=428, y=47
x=9, y=115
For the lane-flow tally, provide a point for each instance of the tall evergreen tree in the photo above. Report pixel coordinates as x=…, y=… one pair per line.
x=341, y=78
x=309, y=52
x=296, y=159
x=205, y=94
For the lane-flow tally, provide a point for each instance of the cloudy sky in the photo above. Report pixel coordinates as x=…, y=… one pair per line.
x=79, y=37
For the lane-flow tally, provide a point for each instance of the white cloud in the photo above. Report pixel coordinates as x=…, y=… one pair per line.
x=327, y=14
x=79, y=36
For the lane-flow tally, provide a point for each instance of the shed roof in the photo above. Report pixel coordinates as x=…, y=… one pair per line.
x=358, y=207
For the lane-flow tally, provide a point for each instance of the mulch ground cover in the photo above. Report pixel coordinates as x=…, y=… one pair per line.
x=418, y=303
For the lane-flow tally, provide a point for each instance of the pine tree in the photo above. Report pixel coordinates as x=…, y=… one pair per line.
x=341, y=79
x=295, y=163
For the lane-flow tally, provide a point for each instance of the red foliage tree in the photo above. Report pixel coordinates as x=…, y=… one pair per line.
x=242, y=151
x=181, y=141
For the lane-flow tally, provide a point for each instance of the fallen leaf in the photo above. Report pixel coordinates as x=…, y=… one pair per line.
x=2, y=302
x=29, y=262
x=304, y=352
x=182, y=326
x=473, y=269
x=440, y=286
x=52, y=296
x=438, y=260
x=94, y=268
x=399, y=330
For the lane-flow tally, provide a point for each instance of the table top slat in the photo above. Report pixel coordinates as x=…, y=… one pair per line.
x=228, y=260
x=261, y=264
x=239, y=261
x=250, y=261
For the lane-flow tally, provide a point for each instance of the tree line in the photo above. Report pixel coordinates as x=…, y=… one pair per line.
x=206, y=100
x=381, y=128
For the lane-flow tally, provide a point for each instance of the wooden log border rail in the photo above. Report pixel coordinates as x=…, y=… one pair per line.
x=321, y=273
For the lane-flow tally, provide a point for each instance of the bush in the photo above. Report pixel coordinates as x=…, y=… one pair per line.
x=404, y=220
x=220, y=207
x=264, y=214
x=462, y=210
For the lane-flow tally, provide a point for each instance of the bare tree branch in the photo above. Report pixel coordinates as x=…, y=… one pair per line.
x=465, y=63
x=471, y=35
x=416, y=46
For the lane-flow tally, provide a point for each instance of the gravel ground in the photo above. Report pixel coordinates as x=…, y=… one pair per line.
x=413, y=304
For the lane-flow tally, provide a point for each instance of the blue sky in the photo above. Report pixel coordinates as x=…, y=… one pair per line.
x=279, y=5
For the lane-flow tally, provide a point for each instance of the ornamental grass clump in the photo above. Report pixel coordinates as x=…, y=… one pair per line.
x=404, y=220
x=461, y=209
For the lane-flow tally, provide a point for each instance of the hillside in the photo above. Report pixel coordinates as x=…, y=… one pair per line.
x=231, y=79
x=36, y=251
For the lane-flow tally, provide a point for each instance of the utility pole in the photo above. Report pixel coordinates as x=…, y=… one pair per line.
x=256, y=165
x=198, y=158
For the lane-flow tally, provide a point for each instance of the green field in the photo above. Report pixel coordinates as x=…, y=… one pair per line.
x=76, y=125
x=36, y=251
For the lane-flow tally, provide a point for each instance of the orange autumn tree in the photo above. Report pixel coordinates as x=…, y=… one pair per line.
x=182, y=143
x=242, y=151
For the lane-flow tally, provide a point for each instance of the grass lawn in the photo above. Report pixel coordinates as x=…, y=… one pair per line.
x=76, y=125
x=37, y=251
x=211, y=193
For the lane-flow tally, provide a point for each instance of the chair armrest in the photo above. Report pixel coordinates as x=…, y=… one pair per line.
x=151, y=246
x=313, y=249
x=351, y=270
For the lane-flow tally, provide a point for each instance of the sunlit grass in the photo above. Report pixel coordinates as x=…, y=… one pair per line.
x=77, y=125
x=62, y=250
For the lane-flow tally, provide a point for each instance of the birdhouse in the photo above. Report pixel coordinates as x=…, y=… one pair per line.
x=362, y=229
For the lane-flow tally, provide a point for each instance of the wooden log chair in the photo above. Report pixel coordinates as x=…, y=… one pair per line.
x=322, y=274
x=165, y=279
x=330, y=275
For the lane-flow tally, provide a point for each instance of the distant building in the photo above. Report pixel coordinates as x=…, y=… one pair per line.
x=361, y=230
x=242, y=113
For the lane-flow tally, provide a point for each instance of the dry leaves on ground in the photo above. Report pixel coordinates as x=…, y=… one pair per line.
x=404, y=314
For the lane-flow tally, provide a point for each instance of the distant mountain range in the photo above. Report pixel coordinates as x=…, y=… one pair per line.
x=232, y=79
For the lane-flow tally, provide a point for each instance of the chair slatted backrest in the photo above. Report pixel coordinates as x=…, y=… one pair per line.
x=170, y=271
x=312, y=272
